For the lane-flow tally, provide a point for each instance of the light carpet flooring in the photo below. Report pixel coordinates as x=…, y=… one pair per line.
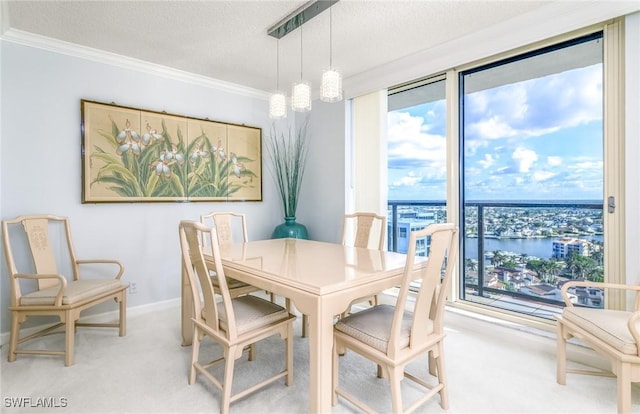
x=491, y=369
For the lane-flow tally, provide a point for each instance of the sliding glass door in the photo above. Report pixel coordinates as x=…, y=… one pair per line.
x=531, y=177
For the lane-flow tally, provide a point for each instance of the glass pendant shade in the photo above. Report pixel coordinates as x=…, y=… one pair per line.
x=301, y=97
x=277, y=106
x=331, y=87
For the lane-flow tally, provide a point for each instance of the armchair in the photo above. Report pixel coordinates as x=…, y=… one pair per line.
x=613, y=334
x=47, y=242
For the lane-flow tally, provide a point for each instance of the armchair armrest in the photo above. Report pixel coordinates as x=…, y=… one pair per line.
x=61, y=278
x=104, y=261
x=603, y=285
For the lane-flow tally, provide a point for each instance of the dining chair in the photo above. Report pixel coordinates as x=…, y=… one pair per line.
x=232, y=323
x=44, y=252
x=229, y=227
x=394, y=336
x=359, y=229
x=364, y=229
x=613, y=334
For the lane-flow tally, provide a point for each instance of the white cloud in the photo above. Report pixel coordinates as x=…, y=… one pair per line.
x=413, y=146
x=554, y=161
x=488, y=161
x=524, y=159
x=535, y=107
x=408, y=180
x=542, y=175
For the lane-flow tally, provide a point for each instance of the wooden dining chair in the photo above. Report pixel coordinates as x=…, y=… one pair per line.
x=233, y=323
x=359, y=229
x=43, y=251
x=394, y=336
x=367, y=230
x=230, y=227
x=613, y=334
x=364, y=229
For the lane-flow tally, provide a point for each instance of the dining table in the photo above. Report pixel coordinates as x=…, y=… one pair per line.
x=321, y=279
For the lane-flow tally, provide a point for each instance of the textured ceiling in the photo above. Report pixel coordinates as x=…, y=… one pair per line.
x=227, y=40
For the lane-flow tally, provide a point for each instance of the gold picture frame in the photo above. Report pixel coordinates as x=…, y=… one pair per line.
x=136, y=155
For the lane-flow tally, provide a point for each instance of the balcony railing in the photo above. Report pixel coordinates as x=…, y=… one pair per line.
x=516, y=285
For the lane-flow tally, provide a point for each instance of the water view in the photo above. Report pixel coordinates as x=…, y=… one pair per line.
x=540, y=248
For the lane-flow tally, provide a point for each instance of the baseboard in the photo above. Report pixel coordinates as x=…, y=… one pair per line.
x=107, y=316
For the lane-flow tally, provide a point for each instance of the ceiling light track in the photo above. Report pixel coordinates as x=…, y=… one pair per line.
x=306, y=12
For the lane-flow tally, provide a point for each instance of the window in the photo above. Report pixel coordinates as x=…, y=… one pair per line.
x=532, y=176
x=417, y=148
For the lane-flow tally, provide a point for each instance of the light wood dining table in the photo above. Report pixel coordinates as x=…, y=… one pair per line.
x=321, y=279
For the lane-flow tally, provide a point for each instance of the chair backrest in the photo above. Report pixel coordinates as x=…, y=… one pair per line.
x=428, y=312
x=204, y=296
x=229, y=226
x=47, y=239
x=359, y=230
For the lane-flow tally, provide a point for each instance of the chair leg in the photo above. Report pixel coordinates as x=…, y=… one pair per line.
x=13, y=340
x=252, y=352
x=442, y=377
x=561, y=355
x=123, y=315
x=289, y=354
x=395, y=376
x=336, y=374
x=229, y=363
x=624, y=387
x=70, y=330
x=195, y=351
x=432, y=365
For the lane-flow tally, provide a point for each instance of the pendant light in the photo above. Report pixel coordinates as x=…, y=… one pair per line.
x=277, y=101
x=301, y=94
x=331, y=87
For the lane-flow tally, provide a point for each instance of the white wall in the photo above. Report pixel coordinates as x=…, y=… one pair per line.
x=40, y=168
x=322, y=202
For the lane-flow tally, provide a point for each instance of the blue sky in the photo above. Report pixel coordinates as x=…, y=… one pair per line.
x=539, y=139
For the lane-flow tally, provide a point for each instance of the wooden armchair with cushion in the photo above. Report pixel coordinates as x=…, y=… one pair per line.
x=38, y=248
x=394, y=336
x=233, y=323
x=613, y=334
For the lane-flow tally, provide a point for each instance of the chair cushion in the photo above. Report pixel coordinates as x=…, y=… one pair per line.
x=75, y=292
x=373, y=326
x=610, y=326
x=251, y=312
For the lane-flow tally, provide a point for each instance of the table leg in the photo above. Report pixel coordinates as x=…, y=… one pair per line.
x=320, y=359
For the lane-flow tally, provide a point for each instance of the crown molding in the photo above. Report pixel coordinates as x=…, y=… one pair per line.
x=125, y=62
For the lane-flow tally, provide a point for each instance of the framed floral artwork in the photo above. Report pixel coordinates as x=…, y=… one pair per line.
x=134, y=155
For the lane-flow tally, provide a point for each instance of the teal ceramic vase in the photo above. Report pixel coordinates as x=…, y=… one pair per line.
x=290, y=228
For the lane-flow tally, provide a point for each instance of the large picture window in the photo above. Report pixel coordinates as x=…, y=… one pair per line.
x=531, y=142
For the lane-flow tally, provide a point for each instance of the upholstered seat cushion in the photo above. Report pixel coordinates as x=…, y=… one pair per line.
x=608, y=325
x=373, y=326
x=251, y=312
x=75, y=292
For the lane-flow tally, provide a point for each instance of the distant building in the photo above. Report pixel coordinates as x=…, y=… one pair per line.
x=409, y=221
x=543, y=291
x=563, y=247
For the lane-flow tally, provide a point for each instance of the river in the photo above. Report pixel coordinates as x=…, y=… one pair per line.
x=541, y=248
